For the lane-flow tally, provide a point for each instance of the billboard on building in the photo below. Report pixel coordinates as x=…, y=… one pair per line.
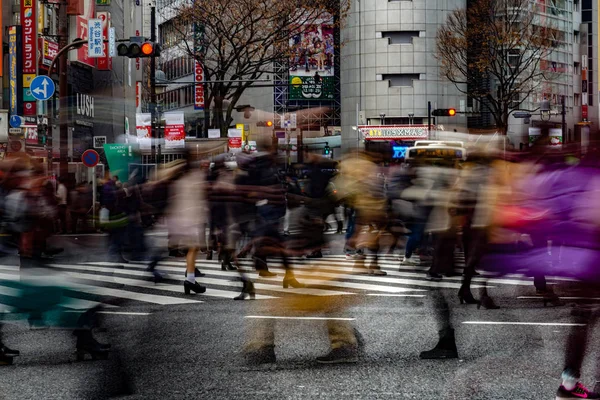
x=48, y=50
x=143, y=128
x=312, y=67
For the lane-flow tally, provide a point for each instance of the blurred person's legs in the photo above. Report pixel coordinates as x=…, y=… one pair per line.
x=446, y=346
x=415, y=237
x=116, y=236
x=571, y=387
x=190, y=284
x=62, y=216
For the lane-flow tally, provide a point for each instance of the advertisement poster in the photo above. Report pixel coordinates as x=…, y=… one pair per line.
x=312, y=69
x=534, y=134
x=49, y=49
x=174, y=131
x=235, y=140
x=214, y=133
x=14, y=71
x=31, y=135
x=555, y=136
x=143, y=128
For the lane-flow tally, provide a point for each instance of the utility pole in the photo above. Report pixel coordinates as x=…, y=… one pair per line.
x=564, y=119
x=428, y=120
x=63, y=95
x=154, y=129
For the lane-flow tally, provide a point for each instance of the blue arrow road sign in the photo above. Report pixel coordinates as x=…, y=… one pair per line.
x=15, y=121
x=42, y=87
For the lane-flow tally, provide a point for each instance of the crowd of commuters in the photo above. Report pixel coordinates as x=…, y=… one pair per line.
x=529, y=212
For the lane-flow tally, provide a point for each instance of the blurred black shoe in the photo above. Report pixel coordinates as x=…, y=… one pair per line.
x=340, y=355
x=264, y=355
x=315, y=254
x=5, y=351
x=193, y=287
x=434, y=276
x=445, y=348
x=377, y=271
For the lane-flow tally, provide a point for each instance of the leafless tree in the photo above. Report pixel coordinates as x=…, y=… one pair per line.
x=494, y=51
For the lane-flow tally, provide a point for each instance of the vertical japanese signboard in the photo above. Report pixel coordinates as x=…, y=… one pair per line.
x=105, y=62
x=14, y=71
x=174, y=130
x=29, y=48
x=95, y=44
x=198, y=67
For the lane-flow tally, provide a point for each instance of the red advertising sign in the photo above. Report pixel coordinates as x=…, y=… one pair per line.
x=31, y=135
x=174, y=130
x=199, y=88
x=29, y=24
x=584, y=112
x=104, y=63
x=74, y=7
x=49, y=49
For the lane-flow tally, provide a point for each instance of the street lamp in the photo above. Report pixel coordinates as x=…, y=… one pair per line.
x=382, y=116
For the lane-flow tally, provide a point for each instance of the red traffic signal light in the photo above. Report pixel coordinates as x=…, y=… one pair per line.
x=444, y=112
x=135, y=50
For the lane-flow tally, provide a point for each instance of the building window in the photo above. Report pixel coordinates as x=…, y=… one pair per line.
x=400, y=37
x=405, y=80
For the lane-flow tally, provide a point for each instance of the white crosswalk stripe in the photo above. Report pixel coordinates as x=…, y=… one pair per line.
x=114, y=283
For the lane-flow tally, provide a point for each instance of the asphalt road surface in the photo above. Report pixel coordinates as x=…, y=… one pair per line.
x=169, y=346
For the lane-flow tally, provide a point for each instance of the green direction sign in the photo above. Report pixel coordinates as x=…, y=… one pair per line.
x=307, y=88
x=118, y=157
x=103, y=3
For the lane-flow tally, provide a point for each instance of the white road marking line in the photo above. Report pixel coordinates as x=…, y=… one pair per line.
x=560, y=297
x=123, y=313
x=150, y=285
x=395, y=295
x=299, y=318
x=520, y=323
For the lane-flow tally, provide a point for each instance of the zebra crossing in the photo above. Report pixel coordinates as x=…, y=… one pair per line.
x=122, y=284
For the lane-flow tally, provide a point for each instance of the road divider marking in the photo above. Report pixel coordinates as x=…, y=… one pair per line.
x=300, y=318
x=395, y=295
x=562, y=298
x=521, y=323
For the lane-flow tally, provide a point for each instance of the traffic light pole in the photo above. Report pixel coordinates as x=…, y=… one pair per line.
x=428, y=120
x=154, y=134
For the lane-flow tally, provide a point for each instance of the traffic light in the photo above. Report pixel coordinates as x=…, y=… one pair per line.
x=327, y=151
x=141, y=50
x=269, y=124
x=42, y=133
x=444, y=112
